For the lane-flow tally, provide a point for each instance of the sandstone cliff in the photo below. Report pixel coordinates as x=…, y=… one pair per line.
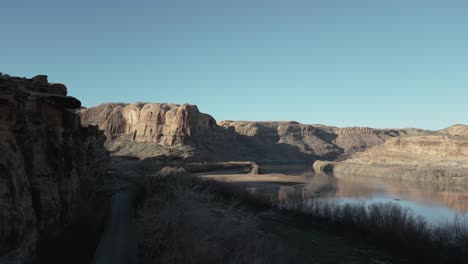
x=154, y=129
x=45, y=153
x=435, y=158
x=168, y=124
x=315, y=140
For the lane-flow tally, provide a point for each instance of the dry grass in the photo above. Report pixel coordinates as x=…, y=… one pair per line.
x=391, y=226
x=184, y=221
x=167, y=171
x=386, y=224
x=124, y=146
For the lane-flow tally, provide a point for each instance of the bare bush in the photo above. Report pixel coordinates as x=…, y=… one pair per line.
x=182, y=221
x=391, y=225
x=167, y=170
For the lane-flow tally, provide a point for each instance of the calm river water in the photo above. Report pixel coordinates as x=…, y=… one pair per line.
x=437, y=203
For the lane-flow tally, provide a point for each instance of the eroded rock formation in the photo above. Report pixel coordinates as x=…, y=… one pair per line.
x=317, y=140
x=44, y=154
x=323, y=166
x=181, y=125
x=168, y=124
x=436, y=158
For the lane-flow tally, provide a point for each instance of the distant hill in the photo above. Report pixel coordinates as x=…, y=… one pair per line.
x=456, y=130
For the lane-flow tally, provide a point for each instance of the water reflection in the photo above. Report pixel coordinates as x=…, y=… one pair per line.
x=435, y=202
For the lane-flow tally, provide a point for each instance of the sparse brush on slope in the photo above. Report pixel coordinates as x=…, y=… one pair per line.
x=183, y=221
x=181, y=214
x=390, y=225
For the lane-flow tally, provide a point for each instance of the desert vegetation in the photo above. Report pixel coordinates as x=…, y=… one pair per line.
x=391, y=226
x=190, y=219
x=123, y=146
x=186, y=220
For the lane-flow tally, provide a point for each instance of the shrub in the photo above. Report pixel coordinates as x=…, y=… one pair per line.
x=391, y=225
x=184, y=221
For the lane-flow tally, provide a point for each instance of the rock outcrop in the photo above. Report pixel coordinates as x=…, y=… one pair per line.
x=323, y=166
x=317, y=141
x=167, y=124
x=307, y=139
x=437, y=158
x=45, y=153
x=148, y=126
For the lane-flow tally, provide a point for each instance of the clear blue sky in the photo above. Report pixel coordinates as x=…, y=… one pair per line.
x=379, y=63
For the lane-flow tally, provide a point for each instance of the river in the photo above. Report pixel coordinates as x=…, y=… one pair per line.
x=437, y=203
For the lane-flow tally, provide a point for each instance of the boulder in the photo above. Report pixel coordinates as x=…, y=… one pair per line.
x=40, y=79
x=323, y=166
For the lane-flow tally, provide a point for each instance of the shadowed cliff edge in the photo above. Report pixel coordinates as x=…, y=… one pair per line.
x=49, y=166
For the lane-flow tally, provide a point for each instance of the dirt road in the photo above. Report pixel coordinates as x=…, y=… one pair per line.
x=118, y=243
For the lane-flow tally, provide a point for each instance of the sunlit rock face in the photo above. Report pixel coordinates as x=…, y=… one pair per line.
x=437, y=146
x=168, y=124
x=323, y=166
x=179, y=125
x=435, y=158
x=44, y=153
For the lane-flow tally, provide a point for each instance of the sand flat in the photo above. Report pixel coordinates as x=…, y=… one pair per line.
x=272, y=177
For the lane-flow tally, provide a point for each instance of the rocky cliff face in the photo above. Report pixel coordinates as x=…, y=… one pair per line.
x=167, y=124
x=433, y=146
x=316, y=140
x=182, y=125
x=45, y=152
x=435, y=158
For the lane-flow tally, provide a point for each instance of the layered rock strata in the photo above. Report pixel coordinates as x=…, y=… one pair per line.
x=168, y=124
x=44, y=154
x=184, y=125
x=439, y=159
x=316, y=141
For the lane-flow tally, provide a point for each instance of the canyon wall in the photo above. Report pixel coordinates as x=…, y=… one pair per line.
x=317, y=140
x=45, y=154
x=168, y=124
x=149, y=126
x=435, y=158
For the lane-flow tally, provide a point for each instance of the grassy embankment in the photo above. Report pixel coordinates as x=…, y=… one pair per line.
x=186, y=219
x=391, y=226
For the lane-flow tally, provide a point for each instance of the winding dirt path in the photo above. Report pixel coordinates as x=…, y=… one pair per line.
x=118, y=244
